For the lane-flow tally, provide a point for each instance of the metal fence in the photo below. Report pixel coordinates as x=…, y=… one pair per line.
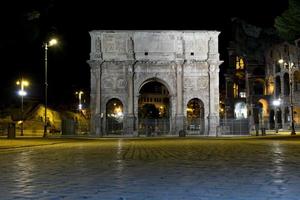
x=72, y=127
x=195, y=126
x=233, y=127
x=154, y=127
x=36, y=128
x=3, y=129
x=113, y=126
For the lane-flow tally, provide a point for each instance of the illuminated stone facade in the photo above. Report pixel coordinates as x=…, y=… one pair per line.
x=251, y=88
x=185, y=62
x=278, y=84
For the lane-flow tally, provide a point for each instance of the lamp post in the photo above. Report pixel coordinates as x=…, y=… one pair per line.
x=52, y=42
x=276, y=103
x=79, y=93
x=23, y=83
x=290, y=66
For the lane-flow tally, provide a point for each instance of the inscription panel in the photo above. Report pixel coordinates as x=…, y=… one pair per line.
x=115, y=43
x=154, y=43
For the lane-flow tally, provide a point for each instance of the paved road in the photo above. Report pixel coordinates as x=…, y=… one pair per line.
x=167, y=169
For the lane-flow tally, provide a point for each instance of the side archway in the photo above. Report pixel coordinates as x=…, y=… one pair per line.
x=195, y=116
x=258, y=87
x=277, y=86
x=297, y=81
x=286, y=84
x=272, y=120
x=114, y=116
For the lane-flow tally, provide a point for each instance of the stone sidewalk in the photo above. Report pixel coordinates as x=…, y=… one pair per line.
x=151, y=168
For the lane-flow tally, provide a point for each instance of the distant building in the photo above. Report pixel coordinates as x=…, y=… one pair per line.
x=254, y=77
x=127, y=66
x=278, y=83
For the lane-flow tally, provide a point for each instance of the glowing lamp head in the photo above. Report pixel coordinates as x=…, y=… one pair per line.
x=23, y=83
x=22, y=93
x=280, y=61
x=276, y=102
x=53, y=42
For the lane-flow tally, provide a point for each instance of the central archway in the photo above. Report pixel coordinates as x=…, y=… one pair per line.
x=195, y=116
x=153, y=109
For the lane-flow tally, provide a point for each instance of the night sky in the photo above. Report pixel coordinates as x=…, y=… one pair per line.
x=26, y=24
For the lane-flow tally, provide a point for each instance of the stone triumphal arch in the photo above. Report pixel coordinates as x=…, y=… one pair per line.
x=154, y=81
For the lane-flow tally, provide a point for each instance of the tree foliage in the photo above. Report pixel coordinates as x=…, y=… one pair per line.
x=288, y=24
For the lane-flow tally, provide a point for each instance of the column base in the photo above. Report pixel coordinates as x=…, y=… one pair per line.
x=179, y=124
x=96, y=126
x=213, y=123
x=129, y=125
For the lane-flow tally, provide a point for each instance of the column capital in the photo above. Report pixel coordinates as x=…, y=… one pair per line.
x=95, y=64
x=214, y=66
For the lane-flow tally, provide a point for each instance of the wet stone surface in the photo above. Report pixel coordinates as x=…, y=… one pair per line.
x=153, y=169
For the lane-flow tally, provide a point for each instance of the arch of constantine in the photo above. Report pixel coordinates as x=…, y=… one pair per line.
x=154, y=82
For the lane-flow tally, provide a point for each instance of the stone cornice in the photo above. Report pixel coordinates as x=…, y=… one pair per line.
x=214, y=62
x=120, y=62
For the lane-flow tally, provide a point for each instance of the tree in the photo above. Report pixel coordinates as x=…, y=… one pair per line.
x=288, y=24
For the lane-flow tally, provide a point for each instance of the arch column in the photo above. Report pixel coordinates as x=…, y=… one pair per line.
x=285, y=125
x=281, y=117
x=213, y=86
x=213, y=98
x=95, y=102
x=179, y=118
x=130, y=121
x=282, y=85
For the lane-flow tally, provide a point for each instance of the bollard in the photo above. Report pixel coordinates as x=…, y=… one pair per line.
x=182, y=133
x=11, y=131
x=263, y=131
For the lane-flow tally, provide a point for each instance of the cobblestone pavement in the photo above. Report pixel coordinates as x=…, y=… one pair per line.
x=167, y=169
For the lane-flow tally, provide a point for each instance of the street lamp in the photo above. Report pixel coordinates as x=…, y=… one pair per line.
x=50, y=43
x=290, y=66
x=79, y=93
x=276, y=103
x=23, y=83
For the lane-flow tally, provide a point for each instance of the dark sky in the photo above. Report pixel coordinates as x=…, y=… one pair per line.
x=26, y=24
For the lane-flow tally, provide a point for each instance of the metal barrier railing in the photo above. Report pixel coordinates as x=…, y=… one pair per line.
x=154, y=127
x=233, y=127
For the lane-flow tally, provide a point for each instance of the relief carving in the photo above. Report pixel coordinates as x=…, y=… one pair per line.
x=121, y=83
x=212, y=46
x=202, y=82
x=98, y=45
x=191, y=83
x=108, y=43
x=114, y=43
x=108, y=83
x=130, y=45
x=114, y=83
x=188, y=82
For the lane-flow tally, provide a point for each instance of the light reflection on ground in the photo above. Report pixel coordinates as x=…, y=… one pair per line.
x=153, y=169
